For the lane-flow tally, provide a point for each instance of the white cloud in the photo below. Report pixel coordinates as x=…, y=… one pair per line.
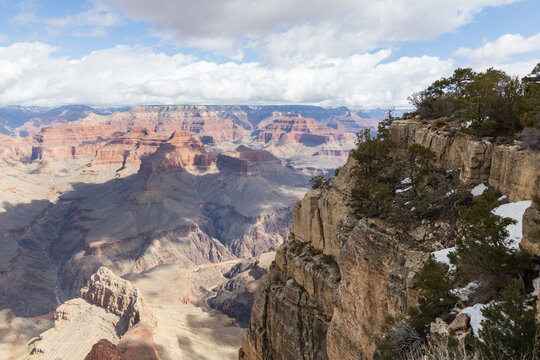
x=86, y=23
x=30, y=74
x=3, y=38
x=502, y=49
x=290, y=27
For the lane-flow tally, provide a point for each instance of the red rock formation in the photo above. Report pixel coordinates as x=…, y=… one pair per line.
x=282, y=130
x=198, y=120
x=129, y=148
x=13, y=148
x=175, y=154
x=70, y=140
x=331, y=154
x=254, y=156
x=241, y=166
x=104, y=350
x=351, y=123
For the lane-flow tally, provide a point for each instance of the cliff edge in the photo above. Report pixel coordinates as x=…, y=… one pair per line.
x=337, y=280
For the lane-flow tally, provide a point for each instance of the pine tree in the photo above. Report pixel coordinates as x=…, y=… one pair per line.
x=434, y=294
x=482, y=250
x=509, y=329
x=371, y=192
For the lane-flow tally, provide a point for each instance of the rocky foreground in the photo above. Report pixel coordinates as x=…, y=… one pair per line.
x=337, y=280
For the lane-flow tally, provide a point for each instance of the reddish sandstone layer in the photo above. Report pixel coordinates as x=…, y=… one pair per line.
x=282, y=130
x=180, y=151
x=70, y=140
x=13, y=148
x=198, y=120
x=104, y=350
x=129, y=148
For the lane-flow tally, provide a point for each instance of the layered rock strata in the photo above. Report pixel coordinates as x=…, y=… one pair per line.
x=110, y=311
x=333, y=284
x=235, y=297
x=509, y=168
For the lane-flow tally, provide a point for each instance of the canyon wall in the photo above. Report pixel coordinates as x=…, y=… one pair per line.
x=337, y=280
x=333, y=283
x=509, y=168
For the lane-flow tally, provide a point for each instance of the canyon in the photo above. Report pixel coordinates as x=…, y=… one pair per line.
x=182, y=202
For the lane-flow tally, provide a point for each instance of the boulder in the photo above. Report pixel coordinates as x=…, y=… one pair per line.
x=530, y=242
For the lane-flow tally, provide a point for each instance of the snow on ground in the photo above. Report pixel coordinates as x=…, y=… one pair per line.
x=504, y=197
x=536, y=282
x=398, y=191
x=479, y=189
x=450, y=193
x=406, y=181
x=442, y=257
x=475, y=314
x=464, y=292
x=515, y=211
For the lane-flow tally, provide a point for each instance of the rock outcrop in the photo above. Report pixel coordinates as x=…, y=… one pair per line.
x=295, y=129
x=530, y=242
x=333, y=284
x=235, y=297
x=337, y=279
x=104, y=350
x=509, y=168
x=116, y=295
x=110, y=312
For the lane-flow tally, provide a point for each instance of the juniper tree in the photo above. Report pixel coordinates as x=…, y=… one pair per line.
x=483, y=249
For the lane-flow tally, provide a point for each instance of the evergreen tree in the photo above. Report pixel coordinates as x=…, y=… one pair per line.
x=509, y=329
x=434, y=295
x=483, y=249
x=371, y=192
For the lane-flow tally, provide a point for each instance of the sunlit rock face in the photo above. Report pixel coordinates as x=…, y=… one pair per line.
x=152, y=189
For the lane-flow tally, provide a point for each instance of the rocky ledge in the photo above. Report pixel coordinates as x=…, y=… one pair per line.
x=108, y=322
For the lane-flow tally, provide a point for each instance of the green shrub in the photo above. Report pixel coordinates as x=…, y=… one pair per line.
x=495, y=103
x=482, y=250
x=434, y=295
x=438, y=123
x=319, y=180
x=509, y=329
x=371, y=188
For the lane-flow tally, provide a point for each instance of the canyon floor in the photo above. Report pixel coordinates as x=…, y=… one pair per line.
x=186, y=203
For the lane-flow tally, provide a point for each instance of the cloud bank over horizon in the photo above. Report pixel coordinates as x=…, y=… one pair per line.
x=346, y=52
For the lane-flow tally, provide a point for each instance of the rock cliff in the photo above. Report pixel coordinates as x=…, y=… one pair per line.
x=332, y=285
x=337, y=280
x=110, y=311
x=509, y=168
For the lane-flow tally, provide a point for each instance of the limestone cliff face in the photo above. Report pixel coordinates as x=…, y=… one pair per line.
x=116, y=295
x=337, y=279
x=333, y=284
x=508, y=168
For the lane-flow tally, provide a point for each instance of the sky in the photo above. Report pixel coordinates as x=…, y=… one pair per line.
x=356, y=53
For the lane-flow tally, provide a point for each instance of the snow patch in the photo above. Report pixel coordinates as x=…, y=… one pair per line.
x=464, y=292
x=406, y=181
x=442, y=257
x=399, y=191
x=536, y=282
x=450, y=193
x=515, y=211
x=475, y=314
x=504, y=197
x=479, y=189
